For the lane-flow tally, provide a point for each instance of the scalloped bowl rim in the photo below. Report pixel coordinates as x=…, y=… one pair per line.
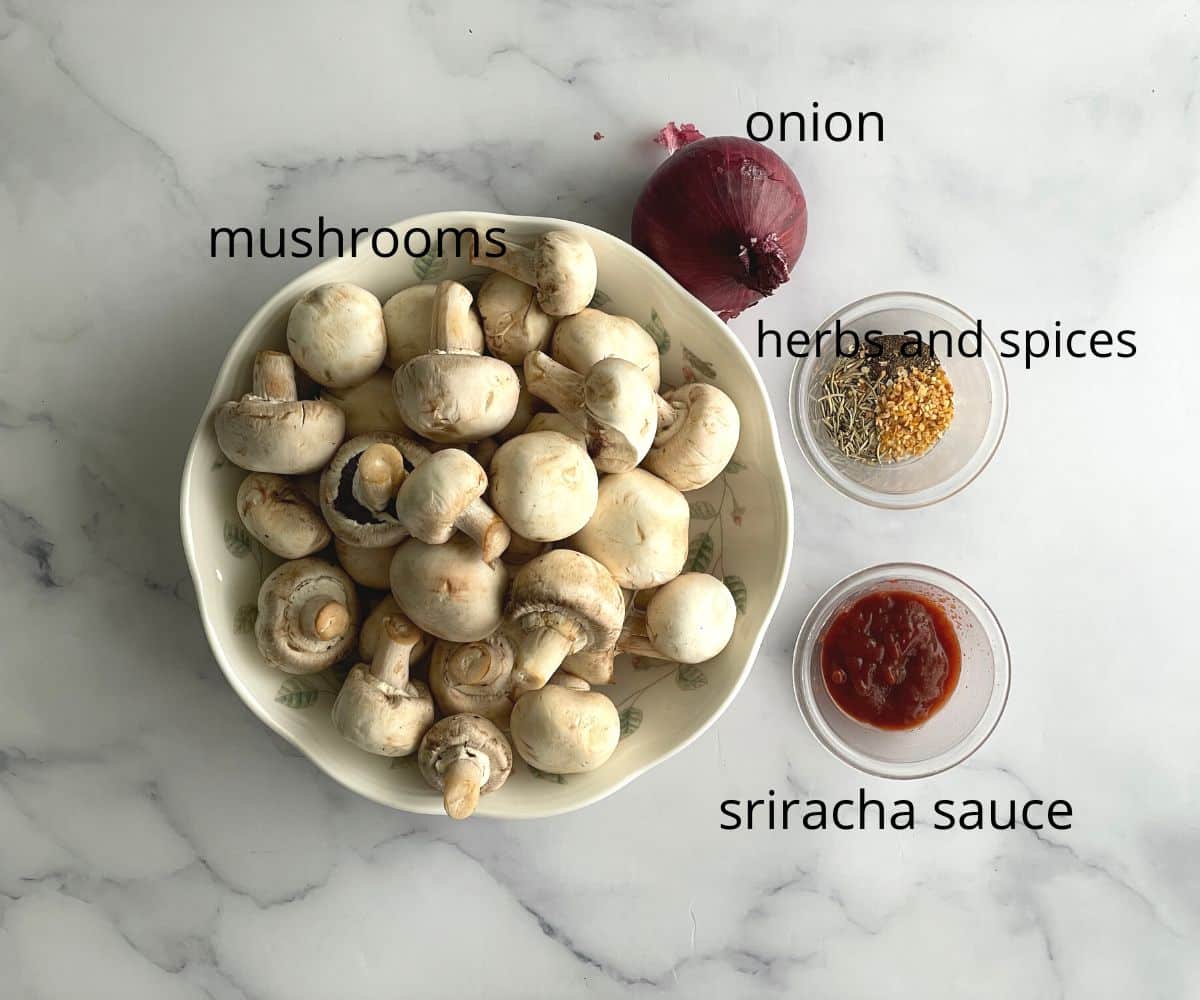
x=306, y=280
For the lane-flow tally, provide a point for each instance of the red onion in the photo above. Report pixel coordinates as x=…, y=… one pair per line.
x=725, y=216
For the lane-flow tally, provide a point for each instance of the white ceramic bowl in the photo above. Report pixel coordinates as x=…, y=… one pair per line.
x=741, y=530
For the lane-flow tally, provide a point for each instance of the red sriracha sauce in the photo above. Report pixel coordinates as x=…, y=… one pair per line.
x=891, y=659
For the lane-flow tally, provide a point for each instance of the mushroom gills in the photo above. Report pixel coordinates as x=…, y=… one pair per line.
x=307, y=616
x=464, y=756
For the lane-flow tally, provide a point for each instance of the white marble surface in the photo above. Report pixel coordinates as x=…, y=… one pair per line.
x=1040, y=164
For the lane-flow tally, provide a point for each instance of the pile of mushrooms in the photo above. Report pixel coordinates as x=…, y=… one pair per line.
x=485, y=491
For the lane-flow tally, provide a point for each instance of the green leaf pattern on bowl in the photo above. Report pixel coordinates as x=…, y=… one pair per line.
x=429, y=266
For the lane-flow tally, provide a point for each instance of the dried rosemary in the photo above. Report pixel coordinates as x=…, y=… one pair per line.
x=848, y=404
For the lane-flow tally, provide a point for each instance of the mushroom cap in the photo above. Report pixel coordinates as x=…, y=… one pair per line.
x=448, y=590
x=381, y=718
x=368, y=407
x=591, y=335
x=622, y=414
x=281, y=601
x=456, y=397
x=548, y=420
x=368, y=567
x=434, y=495
x=563, y=582
x=336, y=334
x=691, y=619
x=465, y=735
x=408, y=317
x=593, y=666
x=286, y=437
x=692, y=452
x=564, y=678
x=513, y=322
x=565, y=271
x=639, y=532
x=277, y=513
x=527, y=404
x=544, y=485
x=350, y=521
x=560, y=730
x=491, y=657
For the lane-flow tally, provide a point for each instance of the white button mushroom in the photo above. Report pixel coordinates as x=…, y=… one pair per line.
x=698, y=428
x=336, y=334
x=543, y=485
x=688, y=620
x=639, y=531
x=307, y=616
x=443, y=493
x=591, y=335
x=368, y=407
x=513, y=322
x=271, y=430
x=613, y=403
x=379, y=709
x=562, y=602
x=368, y=567
x=359, y=486
x=279, y=515
x=560, y=730
x=449, y=590
x=453, y=393
x=474, y=677
x=561, y=265
x=464, y=757
x=408, y=316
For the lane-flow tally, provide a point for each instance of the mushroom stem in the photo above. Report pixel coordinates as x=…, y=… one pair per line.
x=475, y=663
x=639, y=645
x=635, y=622
x=668, y=414
x=379, y=474
x=517, y=261
x=555, y=384
x=274, y=376
x=324, y=619
x=460, y=794
x=486, y=527
x=394, y=652
x=541, y=649
x=452, y=319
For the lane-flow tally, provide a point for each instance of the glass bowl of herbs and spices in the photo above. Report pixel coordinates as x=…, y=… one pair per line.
x=906, y=407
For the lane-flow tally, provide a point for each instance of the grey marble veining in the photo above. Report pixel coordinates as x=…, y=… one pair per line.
x=1040, y=163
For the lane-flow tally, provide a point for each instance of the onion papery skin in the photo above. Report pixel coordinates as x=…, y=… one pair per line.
x=726, y=218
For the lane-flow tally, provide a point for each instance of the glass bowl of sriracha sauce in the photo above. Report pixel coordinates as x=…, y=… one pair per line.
x=901, y=670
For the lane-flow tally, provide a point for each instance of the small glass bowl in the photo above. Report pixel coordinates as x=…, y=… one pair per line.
x=962, y=724
x=980, y=408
